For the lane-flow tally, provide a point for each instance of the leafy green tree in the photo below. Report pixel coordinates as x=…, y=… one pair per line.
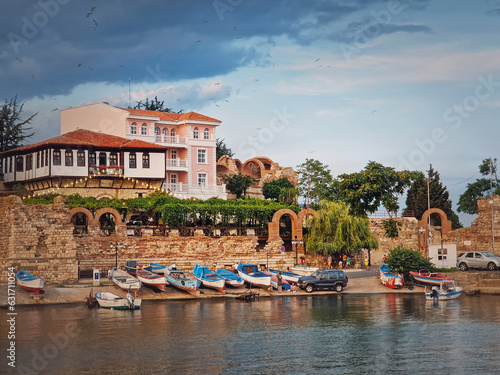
x=272, y=190
x=154, y=105
x=402, y=260
x=335, y=230
x=13, y=130
x=391, y=228
x=416, y=199
x=373, y=187
x=221, y=149
x=238, y=183
x=288, y=196
x=315, y=181
x=480, y=189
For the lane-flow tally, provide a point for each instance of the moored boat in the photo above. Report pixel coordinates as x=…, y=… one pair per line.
x=303, y=269
x=177, y=279
x=29, y=282
x=158, y=268
x=390, y=279
x=131, y=266
x=291, y=277
x=446, y=290
x=152, y=279
x=124, y=280
x=285, y=285
x=109, y=300
x=209, y=279
x=430, y=278
x=231, y=278
x=251, y=274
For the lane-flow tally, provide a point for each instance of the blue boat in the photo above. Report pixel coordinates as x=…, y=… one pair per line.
x=389, y=278
x=131, y=267
x=209, y=279
x=251, y=274
x=231, y=278
x=177, y=279
x=158, y=268
x=29, y=282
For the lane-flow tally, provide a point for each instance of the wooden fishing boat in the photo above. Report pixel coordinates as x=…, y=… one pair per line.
x=251, y=274
x=124, y=280
x=291, y=277
x=29, y=282
x=109, y=300
x=430, y=278
x=303, y=269
x=209, y=279
x=285, y=285
x=158, y=268
x=446, y=290
x=231, y=278
x=390, y=279
x=131, y=267
x=152, y=279
x=177, y=279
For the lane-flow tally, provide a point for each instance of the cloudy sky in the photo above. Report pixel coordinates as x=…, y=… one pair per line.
x=404, y=83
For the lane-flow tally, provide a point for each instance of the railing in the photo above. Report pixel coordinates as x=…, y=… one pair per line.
x=178, y=188
x=169, y=139
x=109, y=170
x=179, y=163
x=383, y=214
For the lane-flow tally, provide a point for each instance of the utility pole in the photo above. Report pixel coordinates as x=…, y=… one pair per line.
x=492, y=210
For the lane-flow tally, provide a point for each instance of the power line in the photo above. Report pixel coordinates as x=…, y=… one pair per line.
x=467, y=179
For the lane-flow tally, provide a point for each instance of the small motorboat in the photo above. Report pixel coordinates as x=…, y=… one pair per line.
x=285, y=285
x=124, y=280
x=29, y=282
x=389, y=278
x=131, y=266
x=446, y=290
x=231, y=278
x=176, y=278
x=427, y=277
x=152, y=279
x=251, y=274
x=303, y=269
x=209, y=279
x=158, y=268
x=291, y=277
x=109, y=300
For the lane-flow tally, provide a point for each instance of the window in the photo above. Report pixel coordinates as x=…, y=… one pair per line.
x=38, y=159
x=56, y=157
x=113, y=159
x=133, y=128
x=10, y=164
x=202, y=179
x=144, y=129
x=195, y=133
x=42, y=158
x=19, y=164
x=132, y=161
x=206, y=134
x=47, y=157
x=157, y=135
x=173, y=178
x=80, y=158
x=164, y=132
x=68, y=158
x=29, y=162
x=145, y=160
x=202, y=156
x=173, y=157
x=92, y=159
x=172, y=132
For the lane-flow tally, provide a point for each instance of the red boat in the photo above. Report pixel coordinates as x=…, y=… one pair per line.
x=429, y=278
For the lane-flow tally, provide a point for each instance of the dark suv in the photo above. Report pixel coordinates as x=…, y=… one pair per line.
x=324, y=280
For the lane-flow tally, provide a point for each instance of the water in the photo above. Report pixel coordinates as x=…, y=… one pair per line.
x=335, y=334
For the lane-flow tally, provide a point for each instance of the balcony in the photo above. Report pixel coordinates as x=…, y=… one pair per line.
x=170, y=140
x=177, y=164
x=107, y=170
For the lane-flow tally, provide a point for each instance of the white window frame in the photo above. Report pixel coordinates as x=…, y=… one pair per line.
x=202, y=152
x=133, y=128
x=202, y=179
x=196, y=133
x=144, y=129
x=206, y=134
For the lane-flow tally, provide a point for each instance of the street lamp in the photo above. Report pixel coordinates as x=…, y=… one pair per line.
x=490, y=161
x=295, y=242
x=116, y=245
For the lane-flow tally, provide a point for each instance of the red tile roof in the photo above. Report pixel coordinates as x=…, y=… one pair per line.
x=87, y=138
x=168, y=116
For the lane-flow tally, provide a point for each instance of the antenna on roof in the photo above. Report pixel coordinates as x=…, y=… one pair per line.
x=128, y=92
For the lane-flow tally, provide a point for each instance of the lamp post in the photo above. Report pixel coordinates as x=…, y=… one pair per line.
x=490, y=161
x=294, y=242
x=116, y=245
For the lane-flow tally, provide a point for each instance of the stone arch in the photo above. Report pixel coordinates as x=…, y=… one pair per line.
x=274, y=225
x=108, y=210
x=253, y=172
x=104, y=195
x=238, y=164
x=266, y=162
x=445, y=223
x=304, y=213
x=222, y=170
x=86, y=212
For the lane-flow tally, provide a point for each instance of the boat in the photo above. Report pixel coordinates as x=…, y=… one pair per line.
x=285, y=285
x=209, y=279
x=427, y=277
x=131, y=267
x=231, y=278
x=176, y=278
x=291, y=277
x=446, y=290
x=251, y=274
x=29, y=282
x=109, y=300
x=152, y=279
x=390, y=279
x=124, y=280
x=303, y=269
x=158, y=268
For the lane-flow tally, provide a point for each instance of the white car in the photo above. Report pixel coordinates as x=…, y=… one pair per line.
x=477, y=259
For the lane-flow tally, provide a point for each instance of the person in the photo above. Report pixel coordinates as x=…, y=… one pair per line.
x=109, y=276
x=280, y=282
x=366, y=262
x=330, y=261
x=348, y=262
x=344, y=258
x=340, y=263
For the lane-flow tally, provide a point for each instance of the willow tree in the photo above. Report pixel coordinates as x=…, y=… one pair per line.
x=335, y=230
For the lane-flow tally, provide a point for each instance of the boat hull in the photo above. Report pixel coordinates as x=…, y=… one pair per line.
x=443, y=297
x=303, y=270
x=209, y=279
x=29, y=282
x=177, y=279
x=125, y=281
x=290, y=277
x=231, y=279
x=152, y=280
x=252, y=276
x=108, y=300
x=389, y=279
x=430, y=279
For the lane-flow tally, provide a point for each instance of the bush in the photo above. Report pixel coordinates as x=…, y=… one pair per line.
x=401, y=260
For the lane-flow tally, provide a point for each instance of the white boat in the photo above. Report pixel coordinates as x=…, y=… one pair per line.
x=209, y=279
x=231, y=278
x=29, y=282
x=124, y=280
x=303, y=269
x=446, y=290
x=152, y=279
x=109, y=300
x=251, y=274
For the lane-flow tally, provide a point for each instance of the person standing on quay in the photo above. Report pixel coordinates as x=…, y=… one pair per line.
x=280, y=282
x=330, y=261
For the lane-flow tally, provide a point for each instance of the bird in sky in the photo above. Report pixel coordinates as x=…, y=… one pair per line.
x=217, y=83
x=18, y=59
x=79, y=65
x=374, y=111
x=55, y=109
x=318, y=59
x=198, y=41
x=95, y=22
x=32, y=76
x=91, y=11
x=238, y=37
x=91, y=68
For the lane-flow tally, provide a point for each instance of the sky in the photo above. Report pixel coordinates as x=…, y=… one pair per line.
x=403, y=83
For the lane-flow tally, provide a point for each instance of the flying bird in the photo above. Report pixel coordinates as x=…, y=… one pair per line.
x=374, y=111
x=91, y=11
x=235, y=28
x=95, y=22
x=18, y=59
x=79, y=65
x=198, y=41
x=55, y=109
x=318, y=59
x=217, y=83
x=238, y=37
x=32, y=76
x=91, y=68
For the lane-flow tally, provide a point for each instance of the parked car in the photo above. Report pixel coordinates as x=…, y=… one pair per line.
x=324, y=280
x=477, y=259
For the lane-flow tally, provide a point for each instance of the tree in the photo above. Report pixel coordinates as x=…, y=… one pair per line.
x=401, y=260
x=416, y=199
x=315, y=182
x=154, y=105
x=335, y=230
x=374, y=186
x=272, y=190
x=13, y=130
x=221, y=149
x=480, y=189
x=238, y=183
